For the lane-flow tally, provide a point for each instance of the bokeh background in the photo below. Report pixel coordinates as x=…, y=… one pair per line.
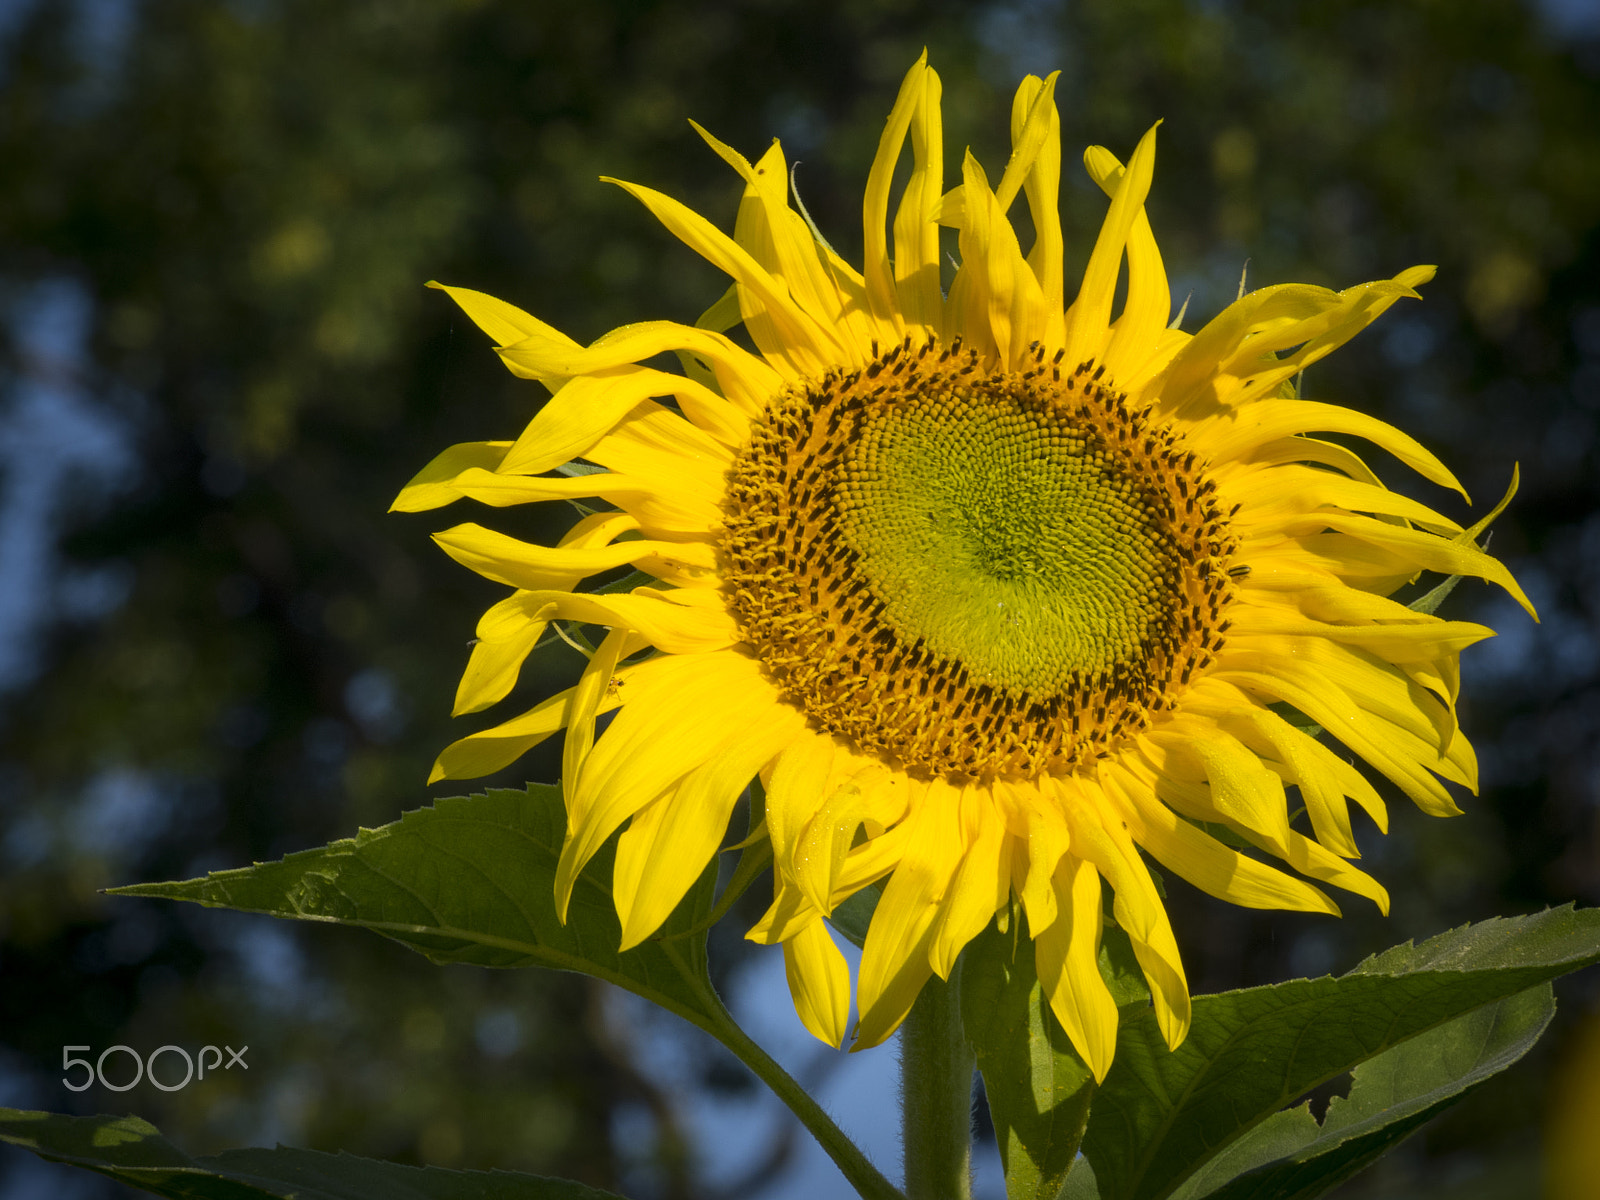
x=218, y=364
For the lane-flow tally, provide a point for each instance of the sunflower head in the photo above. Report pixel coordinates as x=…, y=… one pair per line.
x=995, y=594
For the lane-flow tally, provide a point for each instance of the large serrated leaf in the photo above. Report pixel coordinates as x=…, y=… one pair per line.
x=1290, y=1156
x=471, y=880
x=1161, y=1117
x=133, y=1151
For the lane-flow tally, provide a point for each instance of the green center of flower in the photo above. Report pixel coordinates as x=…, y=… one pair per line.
x=1002, y=537
x=976, y=574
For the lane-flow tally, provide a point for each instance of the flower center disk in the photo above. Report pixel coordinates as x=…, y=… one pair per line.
x=976, y=573
x=1003, y=540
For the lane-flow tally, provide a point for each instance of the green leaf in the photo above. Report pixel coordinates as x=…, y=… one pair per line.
x=1038, y=1088
x=134, y=1152
x=1290, y=1156
x=1081, y=1183
x=471, y=880
x=1161, y=1117
x=1119, y=965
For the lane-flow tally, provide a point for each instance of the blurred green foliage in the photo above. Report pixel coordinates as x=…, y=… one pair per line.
x=251, y=195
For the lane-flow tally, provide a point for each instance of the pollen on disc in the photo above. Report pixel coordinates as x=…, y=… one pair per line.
x=976, y=573
x=999, y=539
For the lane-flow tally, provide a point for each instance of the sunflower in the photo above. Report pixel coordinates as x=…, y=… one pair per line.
x=991, y=592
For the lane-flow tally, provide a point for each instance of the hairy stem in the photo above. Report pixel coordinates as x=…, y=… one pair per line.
x=936, y=1067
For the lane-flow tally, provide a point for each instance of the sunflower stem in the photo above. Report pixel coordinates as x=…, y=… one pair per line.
x=936, y=1066
x=853, y=1164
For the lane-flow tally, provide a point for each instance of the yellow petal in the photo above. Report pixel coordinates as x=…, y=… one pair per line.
x=1067, y=956
x=898, y=973
x=1302, y=588
x=1240, y=355
x=1136, y=904
x=917, y=258
x=780, y=328
x=1329, y=706
x=778, y=239
x=1036, y=164
x=1032, y=126
x=493, y=666
x=894, y=959
x=484, y=753
x=819, y=981
x=675, y=721
x=680, y=621
x=668, y=844
x=1212, y=867
x=781, y=241
x=1236, y=432
x=1307, y=857
x=653, y=443
x=743, y=378
x=865, y=864
x=657, y=506
x=1431, y=553
x=1300, y=449
x=724, y=314
x=1089, y=318
x=1386, y=695
x=591, y=690
x=889, y=327
x=1137, y=336
x=1349, y=560
x=584, y=410
x=1000, y=309
x=1036, y=817
x=433, y=487
x=789, y=913
x=1323, y=777
x=1241, y=786
x=506, y=323
x=1292, y=498
x=981, y=886
x=1442, y=676
x=795, y=791
x=526, y=565
x=596, y=529
x=1413, y=642
x=872, y=860
x=510, y=629
x=491, y=487
x=850, y=797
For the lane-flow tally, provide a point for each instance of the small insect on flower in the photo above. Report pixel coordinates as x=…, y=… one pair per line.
x=995, y=592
